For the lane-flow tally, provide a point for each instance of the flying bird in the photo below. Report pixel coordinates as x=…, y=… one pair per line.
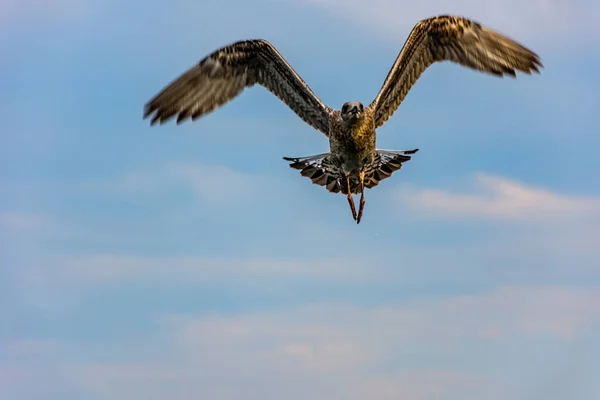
x=353, y=162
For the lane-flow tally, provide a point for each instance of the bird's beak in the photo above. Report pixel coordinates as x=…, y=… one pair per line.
x=354, y=110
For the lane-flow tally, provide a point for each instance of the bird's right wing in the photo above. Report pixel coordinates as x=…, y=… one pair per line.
x=449, y=38
x=223, y=75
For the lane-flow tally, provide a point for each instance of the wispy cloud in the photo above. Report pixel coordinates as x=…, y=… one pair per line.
x=218, y=184
x=59, y=281
x=12, y=11
x=498, y=314
x=209, y=183
x=538, y=21
x=384, y=352
x=112, y=268
x=16, y=221
x=495, y=197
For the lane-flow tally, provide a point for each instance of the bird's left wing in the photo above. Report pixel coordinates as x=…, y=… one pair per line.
x=225, y=73
x=449, y=38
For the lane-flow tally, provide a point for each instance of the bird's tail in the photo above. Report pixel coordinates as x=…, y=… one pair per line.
x=386, y=162
x=322, y=172
x=318, y=169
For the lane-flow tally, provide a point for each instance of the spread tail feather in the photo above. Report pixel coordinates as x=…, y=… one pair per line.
x=386, y=162
x=322, y=172
x=318, y=169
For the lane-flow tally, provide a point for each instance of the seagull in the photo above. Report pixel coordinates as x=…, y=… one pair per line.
x=353, y=162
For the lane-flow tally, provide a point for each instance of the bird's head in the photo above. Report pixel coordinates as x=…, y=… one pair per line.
x=353, y=111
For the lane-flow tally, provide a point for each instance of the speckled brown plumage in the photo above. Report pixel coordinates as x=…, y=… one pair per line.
x=449, y=38
x=353, y=162
x=224, y=74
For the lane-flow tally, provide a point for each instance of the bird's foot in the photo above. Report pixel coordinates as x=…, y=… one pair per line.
x=350, y=199
x=361, y=206
x=352, y=206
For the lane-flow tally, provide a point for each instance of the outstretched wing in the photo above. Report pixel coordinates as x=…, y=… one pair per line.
x=449, y=38
x=225, y=73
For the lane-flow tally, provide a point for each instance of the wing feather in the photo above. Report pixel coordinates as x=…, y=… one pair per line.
x=224, y=74
x=449, y=38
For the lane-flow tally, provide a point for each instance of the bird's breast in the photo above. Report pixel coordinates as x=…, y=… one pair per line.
x=352, y=149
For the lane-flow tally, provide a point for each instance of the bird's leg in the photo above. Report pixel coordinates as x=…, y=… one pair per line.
x=361, y=206
x=350, y=199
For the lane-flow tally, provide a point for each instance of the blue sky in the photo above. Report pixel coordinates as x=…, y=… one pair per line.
x=191, y=261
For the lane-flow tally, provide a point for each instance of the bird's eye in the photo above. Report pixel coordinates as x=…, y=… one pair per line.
x=344, y=108
x=361, y=107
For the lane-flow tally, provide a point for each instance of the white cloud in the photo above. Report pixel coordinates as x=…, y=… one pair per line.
x=41, y=10
x=24, y=231
x=218, y=184
x=501, y=198
x=211, y=184
x=449, y=348
x=308, y=333
x=113, y=268
x=516, y=252
x=58, y=282
x=22, y=221
x=540, y=21
x=24, y=348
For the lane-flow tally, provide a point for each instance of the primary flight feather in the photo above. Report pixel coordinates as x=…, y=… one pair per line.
x=353, y=161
